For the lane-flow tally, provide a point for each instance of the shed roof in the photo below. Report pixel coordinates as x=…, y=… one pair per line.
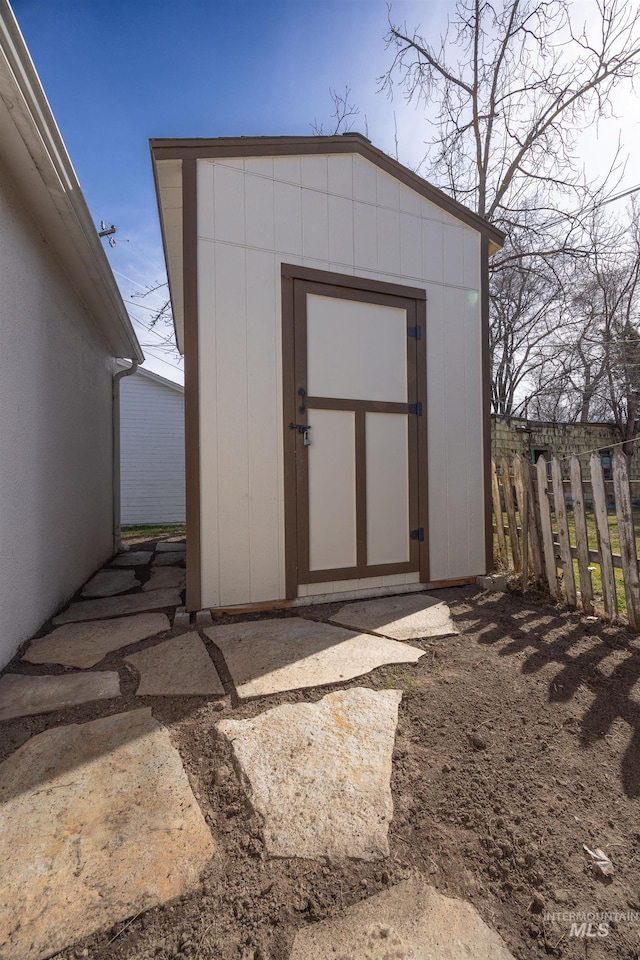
x=34, y=155
x=167, y=156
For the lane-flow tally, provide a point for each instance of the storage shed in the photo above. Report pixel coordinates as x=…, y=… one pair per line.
x=332, y=308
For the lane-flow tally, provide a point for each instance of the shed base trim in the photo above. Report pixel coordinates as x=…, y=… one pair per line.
x=267, y=605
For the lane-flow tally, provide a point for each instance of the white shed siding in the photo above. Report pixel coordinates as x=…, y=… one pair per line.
x=56, y=494
x=151, y=451
x=339, y=213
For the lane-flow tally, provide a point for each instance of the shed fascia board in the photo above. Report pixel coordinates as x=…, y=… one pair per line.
x=150, y=375
x=35, y=157
x=240, y=147
x=172, y=152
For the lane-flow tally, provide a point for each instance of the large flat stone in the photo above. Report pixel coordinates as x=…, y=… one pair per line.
x=180, y=667
x=97, y=823
x=107, y=583
x=410, y=920
x=138, y=558
x=170, y=559
x=403, y=618
x=85, y=644
x=270, y=656
x=166, y=578
x=118, y=606
x=319, y=773
x=22, y=696
x=167, y=546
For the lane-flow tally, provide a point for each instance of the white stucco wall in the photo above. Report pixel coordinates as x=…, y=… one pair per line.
x=343, y=214
x=55, y=432
x=151, y=452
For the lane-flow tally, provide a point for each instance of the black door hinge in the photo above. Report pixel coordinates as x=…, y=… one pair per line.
x=415, y=332
x=417, y=534
x=416, y=408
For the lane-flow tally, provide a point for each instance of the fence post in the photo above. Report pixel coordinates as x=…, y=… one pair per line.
x=609, y=594
x=582, y=538
x=497, y=510
x=563, y=532
x=507, y=489
x=546, y=528
x=626, y=534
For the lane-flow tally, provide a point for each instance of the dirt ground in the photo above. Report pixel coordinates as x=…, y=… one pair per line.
x=517, y=743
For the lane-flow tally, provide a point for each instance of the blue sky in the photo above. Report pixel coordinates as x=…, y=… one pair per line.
x=118, y=72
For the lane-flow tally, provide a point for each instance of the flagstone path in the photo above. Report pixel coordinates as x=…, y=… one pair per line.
x=179, y=667
x=403, y=617
x=319, y=773
x=23, y=696
x=271, y=656
x=98, y=822
x=107, y=583
x=410, y=921
x=102, y=813
x=85, y=644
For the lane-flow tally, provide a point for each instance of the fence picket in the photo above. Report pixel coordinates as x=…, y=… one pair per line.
x=497, y=510
x=626, y=535
x=546, y=528
x=563, y=532
x=534, y=526
x=582, y=537
x=507, y=490
x=610, y=596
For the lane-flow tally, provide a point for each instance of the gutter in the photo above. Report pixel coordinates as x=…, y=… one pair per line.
x=115, y=429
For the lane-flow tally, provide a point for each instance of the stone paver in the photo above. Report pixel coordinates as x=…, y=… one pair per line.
x=410, y=920
x=165, y=578
x=107, y=583
x=270, y=656
x=139, y=558
x=403, y=618
x=167, y=547
x=97, y=823
x=169, y=559
x=319, y=773
x=118, y=606
x=22, y=696
x=85, y=644
x=180, y=667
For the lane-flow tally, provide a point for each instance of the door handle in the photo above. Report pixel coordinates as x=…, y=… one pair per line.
x=302, y=394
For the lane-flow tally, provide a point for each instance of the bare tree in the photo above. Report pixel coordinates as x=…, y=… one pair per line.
x=341, y=117
x=508, y=87
x=607, y=295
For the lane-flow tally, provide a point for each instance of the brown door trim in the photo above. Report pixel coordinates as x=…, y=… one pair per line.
x=289, y=410
x=294, y=292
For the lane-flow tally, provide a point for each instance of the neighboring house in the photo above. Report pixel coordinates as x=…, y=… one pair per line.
x=62, y=324
x=332, y=307
x=151, y=449
x=534, y=438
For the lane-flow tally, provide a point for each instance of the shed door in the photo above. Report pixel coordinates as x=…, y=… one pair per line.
x=356, y=436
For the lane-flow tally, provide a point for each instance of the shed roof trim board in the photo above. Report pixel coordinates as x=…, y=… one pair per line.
x=35, y=157
x=167, y=156
x=240, y=147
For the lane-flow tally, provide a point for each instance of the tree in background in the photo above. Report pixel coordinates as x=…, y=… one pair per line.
x=512, y=85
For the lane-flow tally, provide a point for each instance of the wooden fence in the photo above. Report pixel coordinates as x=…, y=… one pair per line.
x=561, y=533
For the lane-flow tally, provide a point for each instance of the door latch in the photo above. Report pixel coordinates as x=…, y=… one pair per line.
x=302, y=428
